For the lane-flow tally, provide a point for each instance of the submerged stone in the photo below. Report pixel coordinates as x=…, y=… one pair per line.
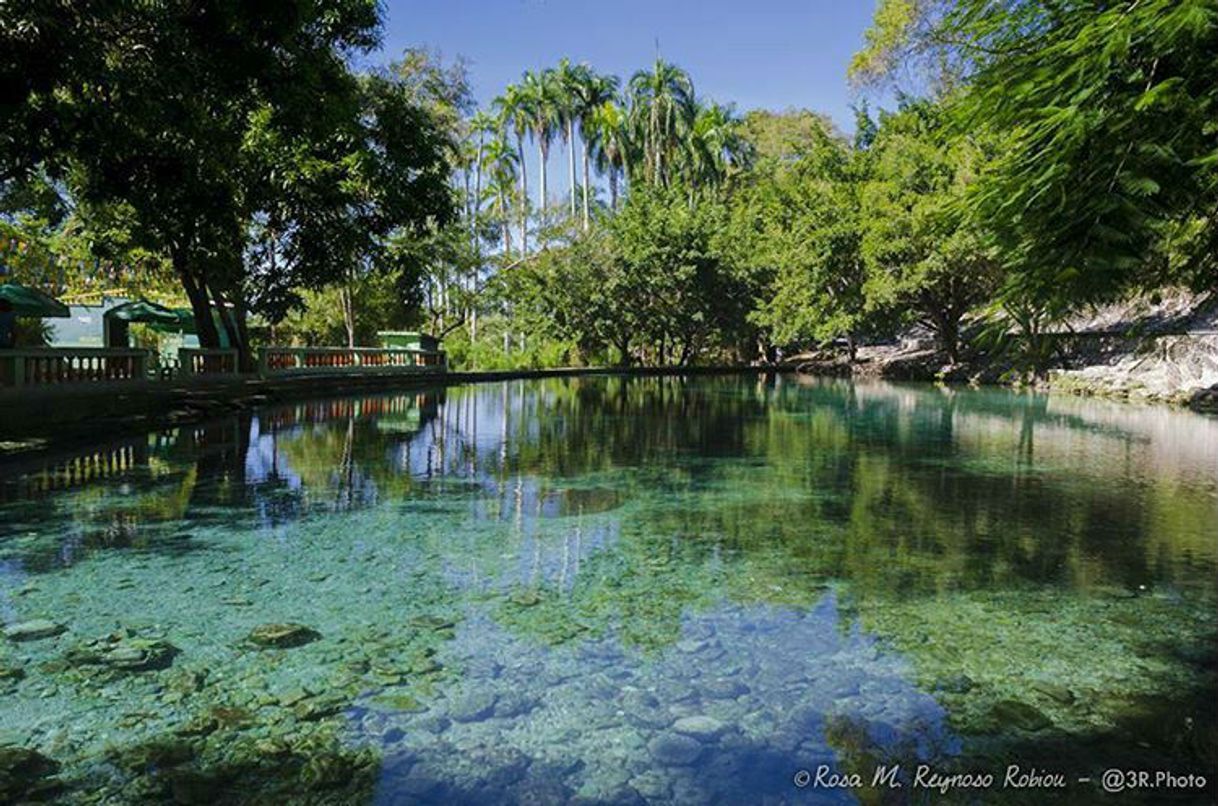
x=674, y=749
x=956, y=684
x=23, y=772
x=199, y=726
x=1058, y=693
x=513, y=704
x=282, y=636
x=154, y=753
x=472, y=707
x=724, y=689
x=318, y=708
x=424, y=665
x=193, y=787
x=228, y=716
x=123, y=653
x=327, y=772
x=700, y=727
x=528, y=598
x=293, y=696
x=400, y=702
x=1020, y=715
x=435, y=623
x=33, y=630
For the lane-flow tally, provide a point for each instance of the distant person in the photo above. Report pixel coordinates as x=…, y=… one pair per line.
x=8, y=325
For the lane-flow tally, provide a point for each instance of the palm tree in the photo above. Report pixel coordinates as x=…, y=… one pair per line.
x=608, y=133
x=569, y=79
x=481, y=124
x=593, y=91
x=542, y=103
x=717, y=144
x=501, y=162
x=662, y=104
x=513, y=112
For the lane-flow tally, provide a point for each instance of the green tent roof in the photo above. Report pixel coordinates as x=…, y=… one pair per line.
x=186, y=320
x=145, y=311
x=28, y=301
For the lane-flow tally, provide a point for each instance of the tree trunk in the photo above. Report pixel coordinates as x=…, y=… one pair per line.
x=524, y=197
x=205, y=326
x=245, y=354
x=949, y=335
x=543, y=152
x=232, y=329
x=587, y=159
x=571, y=160
x=623, y=346
x=471, y=309
x=613, y=188
x=348, y=313
x=507, y=228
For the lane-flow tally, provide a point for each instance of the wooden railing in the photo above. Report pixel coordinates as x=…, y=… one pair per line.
x=328, y=360
x=195, y=361
x=73, y=366
x=63, y=366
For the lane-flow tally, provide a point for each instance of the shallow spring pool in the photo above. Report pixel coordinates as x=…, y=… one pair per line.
x=616, y=590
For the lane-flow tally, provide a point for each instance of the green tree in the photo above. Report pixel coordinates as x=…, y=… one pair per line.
x=542, y=99
x=201, y=125
x=717, y=146
x=796, y=234
x=924, y=255
x=683, y=291
x=662, y=112
x=1104, y=119
x=594, y=92
x=568, y=79
x=608, y=131
x=512, y=109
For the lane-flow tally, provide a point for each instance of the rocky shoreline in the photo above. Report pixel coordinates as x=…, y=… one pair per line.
x=1163, y=350
x=1154, y=374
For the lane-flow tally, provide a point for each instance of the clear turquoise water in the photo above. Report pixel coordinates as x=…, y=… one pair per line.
x=613, y=590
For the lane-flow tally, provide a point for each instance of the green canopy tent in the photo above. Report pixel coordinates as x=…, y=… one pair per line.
x=25, y=301
x=20, y=300
x=116, y=320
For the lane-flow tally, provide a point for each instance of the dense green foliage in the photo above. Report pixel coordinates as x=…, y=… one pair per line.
x=1053, y=156
x=1042, y=157
x=1103, y=117
x=234, y=141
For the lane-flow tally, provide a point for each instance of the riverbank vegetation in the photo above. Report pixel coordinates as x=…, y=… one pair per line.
x=1037, y=160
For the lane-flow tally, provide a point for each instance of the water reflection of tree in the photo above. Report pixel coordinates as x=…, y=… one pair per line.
x=895, y=492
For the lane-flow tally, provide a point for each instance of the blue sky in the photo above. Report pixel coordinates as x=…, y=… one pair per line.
x=769, y=54
x=772, y=54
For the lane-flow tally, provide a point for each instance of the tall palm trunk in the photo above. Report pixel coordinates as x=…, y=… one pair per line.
x=613, y=188
x=587, y=159
x=507, y=227
x=543, y=152
x=477, y=200
x=473, y=232
x=571, y=160
x=524, y=196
